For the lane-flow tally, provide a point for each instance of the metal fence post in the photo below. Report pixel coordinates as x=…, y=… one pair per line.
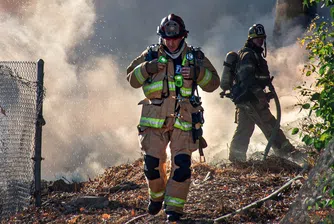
x=38, y=135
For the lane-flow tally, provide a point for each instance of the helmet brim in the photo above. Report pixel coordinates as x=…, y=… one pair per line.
x=257, y=36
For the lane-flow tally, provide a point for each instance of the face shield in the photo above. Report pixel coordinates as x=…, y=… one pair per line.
x=171, y=29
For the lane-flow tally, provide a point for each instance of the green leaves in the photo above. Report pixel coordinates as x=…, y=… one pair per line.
x=332, y=33
x=322, y=69
x=295, y=131
x=320, y=99
x=331, y=203
x=308, y=140
x=315, y=97
x=306, y=106
x=329, y=2
x=331, y=193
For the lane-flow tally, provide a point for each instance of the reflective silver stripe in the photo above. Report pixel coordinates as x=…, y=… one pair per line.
x=151, y=122
x=246, y=67
x=138, y=74
x=185, y=91
x=156, y=194
x=171, y=86
x=177, y=202
x=153, y=87
x=263, y=77
x=183, y=125
x=206, y=79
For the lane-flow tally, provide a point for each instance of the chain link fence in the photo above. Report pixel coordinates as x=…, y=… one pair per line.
x=315, y=201
x=21, y=103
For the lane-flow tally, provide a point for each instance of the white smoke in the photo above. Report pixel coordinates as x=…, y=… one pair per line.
x=88, y=120
x=90, y=110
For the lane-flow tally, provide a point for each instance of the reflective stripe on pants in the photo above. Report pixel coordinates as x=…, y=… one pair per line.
x=154, y=142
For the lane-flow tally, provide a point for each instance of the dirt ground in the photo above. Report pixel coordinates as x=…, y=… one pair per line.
x=215, y=191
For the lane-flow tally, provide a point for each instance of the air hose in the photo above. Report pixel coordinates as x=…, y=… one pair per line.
x=278, y=121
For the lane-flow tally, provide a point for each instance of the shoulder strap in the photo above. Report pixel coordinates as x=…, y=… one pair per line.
x=237, y=65
x=198, y=53
x=198, y=57
x=247, y=49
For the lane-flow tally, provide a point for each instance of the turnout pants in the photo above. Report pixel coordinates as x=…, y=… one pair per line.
x=174, y=189
x=247, y=115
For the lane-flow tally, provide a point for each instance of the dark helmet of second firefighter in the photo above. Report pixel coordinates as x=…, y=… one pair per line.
x=256, y=31
x=172, y=26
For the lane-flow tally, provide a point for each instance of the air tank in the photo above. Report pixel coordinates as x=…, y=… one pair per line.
x=228, y=74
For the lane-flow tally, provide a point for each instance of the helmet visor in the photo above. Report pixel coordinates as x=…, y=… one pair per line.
x=171, y=29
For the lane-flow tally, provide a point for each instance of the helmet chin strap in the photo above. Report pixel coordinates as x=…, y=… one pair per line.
x=264, y=54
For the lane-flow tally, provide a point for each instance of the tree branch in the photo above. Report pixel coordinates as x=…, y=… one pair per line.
x=259, y=202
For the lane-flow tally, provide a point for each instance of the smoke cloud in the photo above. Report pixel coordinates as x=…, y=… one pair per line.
x=90, y=110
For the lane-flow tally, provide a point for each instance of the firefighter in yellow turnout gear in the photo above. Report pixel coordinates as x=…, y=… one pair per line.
x=169, y=74
x=252, y=76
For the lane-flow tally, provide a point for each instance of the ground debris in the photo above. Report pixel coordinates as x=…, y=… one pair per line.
x=214, y=192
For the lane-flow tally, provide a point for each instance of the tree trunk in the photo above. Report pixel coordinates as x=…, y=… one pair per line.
x=315, y=189
x=291, y=19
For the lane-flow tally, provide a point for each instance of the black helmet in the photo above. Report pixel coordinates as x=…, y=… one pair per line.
x=256, y=31
x=172, y=26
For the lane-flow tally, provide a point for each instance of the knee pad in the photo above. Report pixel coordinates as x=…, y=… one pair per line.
x=183, y=172
x=151, y=163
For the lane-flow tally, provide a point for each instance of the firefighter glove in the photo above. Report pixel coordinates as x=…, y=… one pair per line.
x=261, y=97
x=269, y=96
x=190, y=72
x=153, y=67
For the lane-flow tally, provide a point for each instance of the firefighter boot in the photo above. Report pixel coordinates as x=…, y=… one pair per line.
x=173, y=216
x=237, y=156
x=299, y=157
x=154, y=207
x=288, y=151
